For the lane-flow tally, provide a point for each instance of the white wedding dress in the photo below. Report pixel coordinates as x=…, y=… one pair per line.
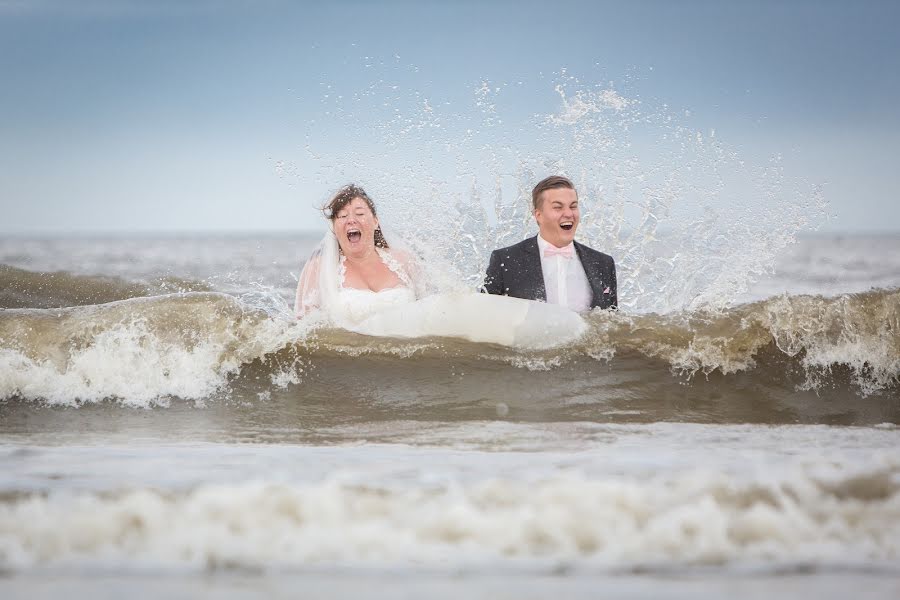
x=359, y=304
x=409, y=311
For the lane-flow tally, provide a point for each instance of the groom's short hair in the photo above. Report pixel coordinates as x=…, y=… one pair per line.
x=549, y=183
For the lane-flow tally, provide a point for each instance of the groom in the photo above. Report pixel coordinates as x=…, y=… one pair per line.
x=552, y=266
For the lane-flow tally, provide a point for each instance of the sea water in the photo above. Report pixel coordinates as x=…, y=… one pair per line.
x=173, y=434
x=167, y=427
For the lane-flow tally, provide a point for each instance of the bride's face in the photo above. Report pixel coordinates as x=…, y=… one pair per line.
x=354, y=226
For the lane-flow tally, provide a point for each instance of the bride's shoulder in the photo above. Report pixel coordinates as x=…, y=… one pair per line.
x=400, y=262
x=402, y=257
x=397, y=254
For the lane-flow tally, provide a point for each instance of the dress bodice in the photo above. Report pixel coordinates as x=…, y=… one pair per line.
x=358, y=304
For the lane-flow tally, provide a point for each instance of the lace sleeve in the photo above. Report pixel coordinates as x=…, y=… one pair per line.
x=308, y=296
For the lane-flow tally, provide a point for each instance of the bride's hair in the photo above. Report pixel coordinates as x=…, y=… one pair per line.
x=345, y=196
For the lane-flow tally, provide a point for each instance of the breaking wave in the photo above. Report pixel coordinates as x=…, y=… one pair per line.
x=20, y=288
x=192, y=346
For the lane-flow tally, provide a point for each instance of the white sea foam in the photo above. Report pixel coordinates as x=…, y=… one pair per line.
x=139, y=351
x=695, y=517
x=125, y=362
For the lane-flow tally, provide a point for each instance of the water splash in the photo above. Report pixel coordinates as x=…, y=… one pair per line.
x=690, y=222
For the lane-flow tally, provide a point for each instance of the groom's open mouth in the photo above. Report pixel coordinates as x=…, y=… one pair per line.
x=354, y=235
x=567, y=225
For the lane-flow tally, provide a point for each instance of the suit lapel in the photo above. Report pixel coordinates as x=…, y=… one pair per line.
x=591, y=270
x=533, y=262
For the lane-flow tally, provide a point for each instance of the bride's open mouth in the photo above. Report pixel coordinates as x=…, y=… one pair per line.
x=354, y=235
x=567, y=225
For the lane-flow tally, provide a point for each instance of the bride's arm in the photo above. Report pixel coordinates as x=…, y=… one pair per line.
x=308, y=296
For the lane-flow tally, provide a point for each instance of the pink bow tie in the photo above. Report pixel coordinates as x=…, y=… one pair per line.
x=565, y=252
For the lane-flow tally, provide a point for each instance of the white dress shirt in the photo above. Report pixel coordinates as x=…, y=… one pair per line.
x=564, y=279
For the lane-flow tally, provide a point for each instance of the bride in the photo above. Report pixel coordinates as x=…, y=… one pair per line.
x=355, y=273
x=365, y=284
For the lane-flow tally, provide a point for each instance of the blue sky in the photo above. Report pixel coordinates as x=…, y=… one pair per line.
x=123, y=116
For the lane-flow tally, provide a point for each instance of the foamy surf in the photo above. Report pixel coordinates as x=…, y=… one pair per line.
x=137, y=351
x=814, y=515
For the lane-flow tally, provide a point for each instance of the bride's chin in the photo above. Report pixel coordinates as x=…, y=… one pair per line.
x=357, y=249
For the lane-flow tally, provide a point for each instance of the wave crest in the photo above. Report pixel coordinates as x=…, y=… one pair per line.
x=145, y=350
x=33, y=289
x=858, y=332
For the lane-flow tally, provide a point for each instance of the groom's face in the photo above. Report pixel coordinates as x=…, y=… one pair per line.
x=558, y=216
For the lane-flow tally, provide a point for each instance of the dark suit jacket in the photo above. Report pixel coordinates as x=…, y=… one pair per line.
x=516, y=271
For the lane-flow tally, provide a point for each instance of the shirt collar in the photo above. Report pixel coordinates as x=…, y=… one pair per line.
x=543, y=244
